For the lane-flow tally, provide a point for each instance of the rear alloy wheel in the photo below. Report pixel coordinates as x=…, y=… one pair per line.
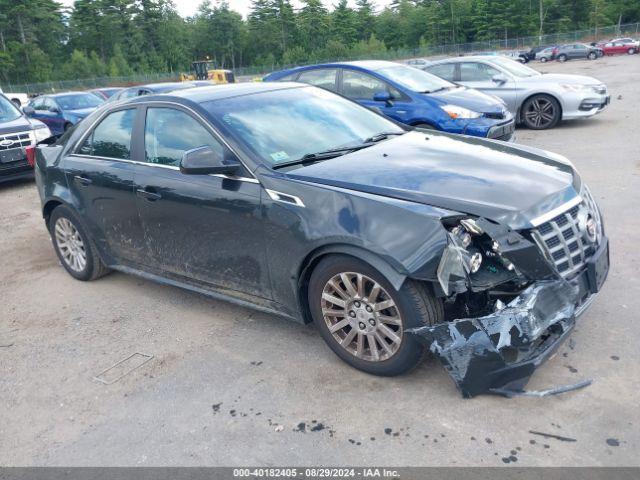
x=543, y=59
x=363, y=318
x=75, y=250
x=562, y=58
x=592, y=56
x=541, y=112
x=631, y=51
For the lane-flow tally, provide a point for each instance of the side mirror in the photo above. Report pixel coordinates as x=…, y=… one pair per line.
x=500, y=79
x=383, y=97
x=28, y=110
x=205, y=160
x=54, y=109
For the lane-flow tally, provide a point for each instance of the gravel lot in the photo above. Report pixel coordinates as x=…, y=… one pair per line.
x=224, y=379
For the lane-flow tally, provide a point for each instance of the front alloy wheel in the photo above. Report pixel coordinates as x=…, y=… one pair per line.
x=541, y=112
x=361, y=316
x=364, y=318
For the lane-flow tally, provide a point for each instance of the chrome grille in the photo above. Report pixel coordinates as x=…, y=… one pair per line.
x=15, y=140
x=563, y=239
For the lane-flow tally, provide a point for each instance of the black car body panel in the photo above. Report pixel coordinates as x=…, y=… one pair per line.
x=254, y=237
x=498, y=181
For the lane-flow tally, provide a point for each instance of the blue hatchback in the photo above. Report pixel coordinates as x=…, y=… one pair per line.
x=410, y=96
x=62, y=110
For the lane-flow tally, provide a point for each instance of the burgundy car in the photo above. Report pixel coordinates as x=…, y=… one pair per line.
x=620, y=46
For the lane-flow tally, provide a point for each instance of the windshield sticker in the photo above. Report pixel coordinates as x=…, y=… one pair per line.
x=279, y=156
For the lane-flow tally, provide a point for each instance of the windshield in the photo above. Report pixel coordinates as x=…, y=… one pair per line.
x=284, y=125
x=77, y=101
x=514, y=68
x=414, y=79
x=8, y=111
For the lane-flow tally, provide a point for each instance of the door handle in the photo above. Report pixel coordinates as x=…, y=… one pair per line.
x=83, y=180
x=147, y=195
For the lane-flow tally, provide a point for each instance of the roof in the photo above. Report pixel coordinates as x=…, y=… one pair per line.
x=472, y=58
x=229, y=90
x=64, y=94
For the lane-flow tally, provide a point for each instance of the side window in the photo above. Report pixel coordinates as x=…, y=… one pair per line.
x=361, y=86
x=112, y=137
x=321, y=77
x=476, y=72
x=48, y=104
x=130, y=92
x=444, y=70
x=38, y=103
x=169, y=133
x=286, y=78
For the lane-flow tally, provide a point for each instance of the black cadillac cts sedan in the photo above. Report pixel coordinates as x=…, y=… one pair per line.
x=296, y=201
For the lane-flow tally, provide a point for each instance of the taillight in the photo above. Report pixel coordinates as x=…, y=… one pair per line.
x=31, y=155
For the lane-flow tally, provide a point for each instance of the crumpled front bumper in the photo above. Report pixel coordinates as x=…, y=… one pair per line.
x=499, y=352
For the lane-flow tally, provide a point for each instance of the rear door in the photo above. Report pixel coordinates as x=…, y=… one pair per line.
x=362, y=87
x=100, y=177
x=206, y=228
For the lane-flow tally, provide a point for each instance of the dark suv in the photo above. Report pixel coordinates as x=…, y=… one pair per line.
x=17, y=132
x=299, y=202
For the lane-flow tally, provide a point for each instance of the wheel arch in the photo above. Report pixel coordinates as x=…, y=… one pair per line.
x=49, y=206
x=391, y=272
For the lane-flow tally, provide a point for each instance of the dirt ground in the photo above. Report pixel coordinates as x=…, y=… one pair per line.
x=229, y=386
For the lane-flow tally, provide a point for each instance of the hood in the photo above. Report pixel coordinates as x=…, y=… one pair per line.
x=504, y=183
x=469, y=98
x=80, y=112
x=566, y=78
x=20, y=124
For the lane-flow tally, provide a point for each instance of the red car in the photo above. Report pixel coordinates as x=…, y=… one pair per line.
x=620, y=45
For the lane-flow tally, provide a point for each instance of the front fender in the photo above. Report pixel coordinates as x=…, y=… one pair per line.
x=399, y=238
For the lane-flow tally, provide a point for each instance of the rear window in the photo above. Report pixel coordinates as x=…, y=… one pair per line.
x=112, y=137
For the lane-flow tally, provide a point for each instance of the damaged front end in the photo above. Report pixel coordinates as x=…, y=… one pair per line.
x=511, y=305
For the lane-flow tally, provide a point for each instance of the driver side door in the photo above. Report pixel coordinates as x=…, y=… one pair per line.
x=362, y=87
x=203, y=229
x=481, y=77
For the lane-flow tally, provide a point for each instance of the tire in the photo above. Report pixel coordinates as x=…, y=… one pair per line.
x=631, y=51
x=544, y=59
x=592, y=56
x=541, y=112
x=562, y=58
x=411, y=306
x=74, y=248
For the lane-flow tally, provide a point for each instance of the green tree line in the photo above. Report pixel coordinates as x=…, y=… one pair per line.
x=41, y=40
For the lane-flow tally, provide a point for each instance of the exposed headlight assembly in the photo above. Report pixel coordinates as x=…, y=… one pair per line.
x=455, y=111
x=459, y=258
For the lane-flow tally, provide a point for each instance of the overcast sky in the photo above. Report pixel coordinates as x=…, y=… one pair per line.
x=189, y=7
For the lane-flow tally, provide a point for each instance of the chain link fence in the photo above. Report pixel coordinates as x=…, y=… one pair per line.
x=246, y=73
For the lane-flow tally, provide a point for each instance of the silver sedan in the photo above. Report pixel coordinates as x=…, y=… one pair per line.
x=537, y=100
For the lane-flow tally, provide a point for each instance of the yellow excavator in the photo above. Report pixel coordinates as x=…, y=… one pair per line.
x=207, y=70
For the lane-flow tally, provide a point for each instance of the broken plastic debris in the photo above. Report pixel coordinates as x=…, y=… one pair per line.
x=542, y=393
x=501, y=350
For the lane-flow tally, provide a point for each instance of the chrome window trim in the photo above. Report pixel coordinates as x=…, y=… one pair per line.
x=202, y=120
x=545, y=217
x=158, y=165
